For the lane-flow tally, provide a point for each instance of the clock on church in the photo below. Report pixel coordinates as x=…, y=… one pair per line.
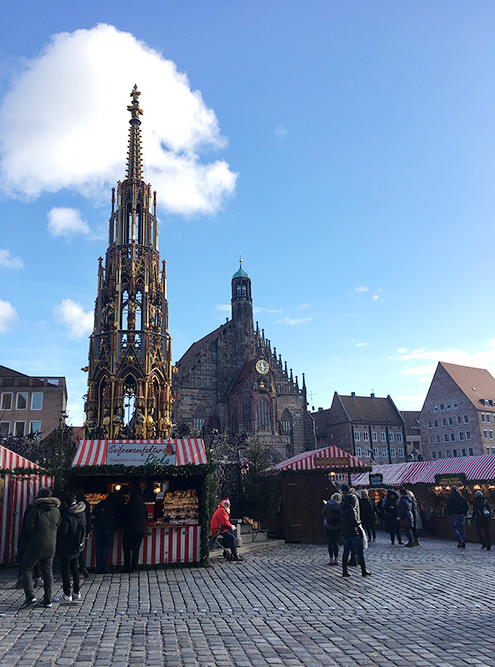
x=262, y=366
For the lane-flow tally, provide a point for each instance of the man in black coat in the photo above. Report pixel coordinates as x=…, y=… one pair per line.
x=133, y=519
x=457, y=508
x=40, y=544
x=351, y=530
x=70, y=541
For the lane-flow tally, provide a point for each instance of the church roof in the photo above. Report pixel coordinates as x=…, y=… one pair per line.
x=192, y=354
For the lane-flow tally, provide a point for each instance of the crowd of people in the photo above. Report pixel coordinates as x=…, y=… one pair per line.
x=352, y=516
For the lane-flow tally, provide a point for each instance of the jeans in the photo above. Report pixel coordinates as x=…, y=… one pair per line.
x=354, y=544
x=229, y=542
x=131, y=544
x=457, y=523
x=69, y=565
x=104, y=541
x=27, y=567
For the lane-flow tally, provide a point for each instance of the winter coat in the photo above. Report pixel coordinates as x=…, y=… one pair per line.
x=456, y=504
x=391, y=509
x=106, y=513
x=134, y=517
x=72, y=531
x=350, y=523
x=331, y=515
x=42, y=522
x=405, y=510
x=368, y=510
x=479, y=516
x=220, y=521
x=416, y=512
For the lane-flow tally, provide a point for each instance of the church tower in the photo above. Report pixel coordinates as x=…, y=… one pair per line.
x=130, y=369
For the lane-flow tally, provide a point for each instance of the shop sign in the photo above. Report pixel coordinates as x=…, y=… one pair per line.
x=140, y=454
x=451, y=480
x=330, y=461
x=375, y=479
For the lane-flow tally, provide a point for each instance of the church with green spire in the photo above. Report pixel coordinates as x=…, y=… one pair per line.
x=232, y=380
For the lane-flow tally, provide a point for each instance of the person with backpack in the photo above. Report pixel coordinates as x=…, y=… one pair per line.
x=457, y=508
x=331, y=523
x=71, y=540
x=481, y=517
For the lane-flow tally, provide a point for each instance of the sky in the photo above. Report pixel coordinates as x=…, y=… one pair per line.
x=346, y=150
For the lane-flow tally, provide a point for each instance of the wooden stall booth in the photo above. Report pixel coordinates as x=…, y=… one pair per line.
x=307, y=481
x=171, y=477
x=20, y=481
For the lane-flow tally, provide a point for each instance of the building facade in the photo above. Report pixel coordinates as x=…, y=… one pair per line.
x=368, y=427
x=458, y=415
x=130, y=369
x=232, y=380
x=413, y=434
x=30, y=405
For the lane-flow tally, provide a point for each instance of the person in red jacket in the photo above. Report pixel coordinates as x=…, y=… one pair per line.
x=221, y=525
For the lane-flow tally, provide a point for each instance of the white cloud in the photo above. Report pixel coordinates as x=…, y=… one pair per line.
x=8, y=315
x=8, y=261
x=292, y=321
x=77, y=322
x=223, y=307
x=281, y=132
x=260, y=309
x=361, y=289
x=423, y=362
x=361, y=344
x=65, y=124
x=402, y=350
x=66, y=222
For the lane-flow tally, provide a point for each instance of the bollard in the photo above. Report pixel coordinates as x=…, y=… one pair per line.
x=238, y=534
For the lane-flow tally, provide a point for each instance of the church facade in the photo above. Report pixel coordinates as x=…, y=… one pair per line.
x=233, y=381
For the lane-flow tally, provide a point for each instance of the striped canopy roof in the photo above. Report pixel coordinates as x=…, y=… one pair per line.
x=12, y=460
x=94, y=452
x=476, y=469
x=309, y=460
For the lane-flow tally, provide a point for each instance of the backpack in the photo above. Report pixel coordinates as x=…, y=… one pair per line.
x=333, y=518
x=79, y=538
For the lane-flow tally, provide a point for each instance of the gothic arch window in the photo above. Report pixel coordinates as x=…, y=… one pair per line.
x=124, y=310
x=127, y=226
x=129, y=396
x=247, y=415
x=263, y=415
x=286, y=422
x=199, y=419
x=139, y=224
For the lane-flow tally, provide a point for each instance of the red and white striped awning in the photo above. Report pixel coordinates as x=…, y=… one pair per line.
x=309, y=460
x=94, y=452
x=12, y=460
x=476, y=469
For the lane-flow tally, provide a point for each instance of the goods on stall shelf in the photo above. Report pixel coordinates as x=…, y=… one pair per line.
x=180, y=507
x=94, y=498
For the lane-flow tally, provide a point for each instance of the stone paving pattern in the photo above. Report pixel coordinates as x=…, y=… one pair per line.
x=431, y=605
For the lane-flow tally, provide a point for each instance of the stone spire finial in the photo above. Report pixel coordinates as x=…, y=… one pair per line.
x=134, y=160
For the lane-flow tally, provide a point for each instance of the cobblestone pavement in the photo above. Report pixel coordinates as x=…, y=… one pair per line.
x=431, y=605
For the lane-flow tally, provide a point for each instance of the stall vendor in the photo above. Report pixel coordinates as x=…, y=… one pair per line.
x=147, y=491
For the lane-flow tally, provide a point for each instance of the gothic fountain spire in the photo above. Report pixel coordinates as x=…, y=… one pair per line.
x=134, y=159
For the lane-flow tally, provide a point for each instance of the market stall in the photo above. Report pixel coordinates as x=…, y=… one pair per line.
x=20, y=481
x=307, y=480
x=431, y=481
x=171, y=477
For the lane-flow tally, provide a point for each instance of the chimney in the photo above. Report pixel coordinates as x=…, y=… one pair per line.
x=353, y=394
x=372, y=395
x=320, y=409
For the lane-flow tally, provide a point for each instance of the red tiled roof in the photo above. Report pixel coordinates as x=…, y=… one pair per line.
x=371, y=410
x=475, y=383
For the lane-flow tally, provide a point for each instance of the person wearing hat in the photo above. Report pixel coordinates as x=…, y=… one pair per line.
x=220, y=525
x=457, y=508
x=481, y=517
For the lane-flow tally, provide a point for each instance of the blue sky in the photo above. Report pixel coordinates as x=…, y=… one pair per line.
x=345, y=149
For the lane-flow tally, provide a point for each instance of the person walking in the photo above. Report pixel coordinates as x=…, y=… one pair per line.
x=133, y=520
x=352, y=532
x=105, y=523
x=457, y=508
x=368, y=511
x=331, y=523
x=71, y=540
x=40, y=543
x=220, y=525
x=390, y=510
x=481, y=517
x=405, y=517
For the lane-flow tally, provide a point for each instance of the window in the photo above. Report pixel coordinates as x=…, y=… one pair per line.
x=486, y=401
x=357, y=436
x=366, y=436
x=4, y=429
x=35, y=428
x=466, y=419
x=455, y=405
x=401, y=452
x=435, y=423
x=392, y=452
x=442, y=407
x=22, y=399
x=374, y=436
x=463, y=452
x=263, y=416
x=383, y=436
x=198, y=424
x=485, y=433
x=439, y=454
x=461, y=436
x=451, y=421
x=399, y=437
x=459, y=419
x=444, y=421
x=490, y=433
x=431, y=439
x=390, y=436
x=468, y=435
x=452, y=437
x=358, y=452
x=488, y=418
x=435, y=408
x=437, y=438
x=448, y=454
x=448, y=406
x=433, y=456
x=367, y=452
x=19, y=428
x=470, y=451
x=445, y=437
x=6, y=403
x=430, y=423
x=36, y=400
x=384, y=452
x=454, y=453
x=483, y=417
x=376, y=452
